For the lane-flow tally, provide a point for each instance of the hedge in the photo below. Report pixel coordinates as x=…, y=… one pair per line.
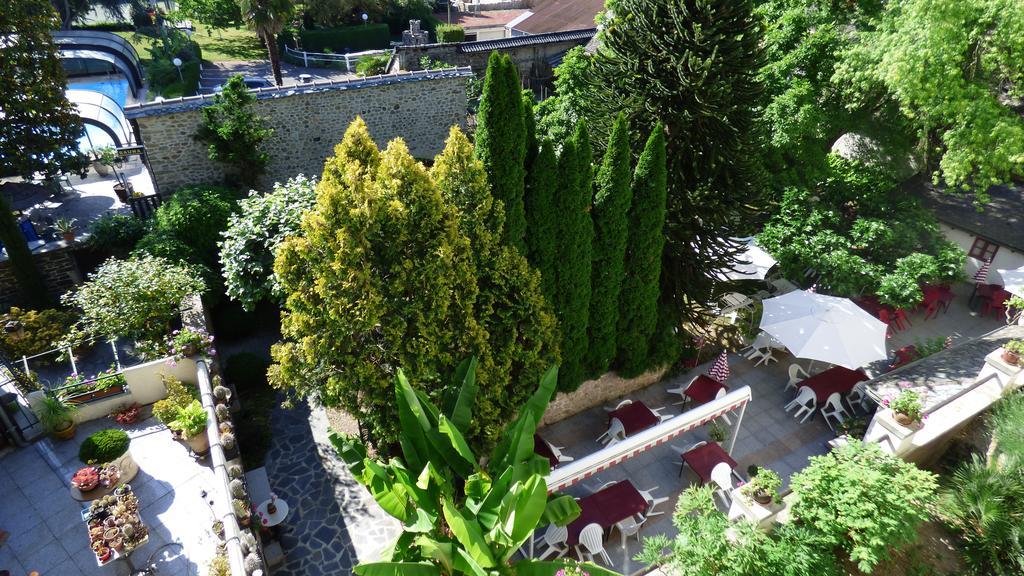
x=346, y=38
x=104, y=446
x=449, y=33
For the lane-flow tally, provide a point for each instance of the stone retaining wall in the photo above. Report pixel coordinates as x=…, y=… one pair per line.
x=308, y=121
x=57, y=265
x=595, y=393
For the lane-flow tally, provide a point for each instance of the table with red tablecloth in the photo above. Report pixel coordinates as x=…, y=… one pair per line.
x=835, y=379
x=542, y=448
x=606, y=508
x=703, y=389
x=703, y=459
x=635, y=417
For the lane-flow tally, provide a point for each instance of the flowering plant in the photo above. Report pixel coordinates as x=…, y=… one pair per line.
x=907, y=403
x=187, y=342
x=127, y=415
x=78, y=383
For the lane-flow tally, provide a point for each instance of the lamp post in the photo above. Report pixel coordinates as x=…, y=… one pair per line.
x=177, y=64
x=365, y=18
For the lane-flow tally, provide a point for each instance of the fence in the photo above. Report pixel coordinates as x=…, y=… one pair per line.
x=324, y=60
x=144, y=206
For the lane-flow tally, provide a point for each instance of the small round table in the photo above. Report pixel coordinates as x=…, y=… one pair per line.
x=272, y=519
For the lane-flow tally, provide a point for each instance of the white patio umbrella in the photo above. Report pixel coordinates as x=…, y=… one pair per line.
x=1013, y=280
x=753, y=263
x=825, y=328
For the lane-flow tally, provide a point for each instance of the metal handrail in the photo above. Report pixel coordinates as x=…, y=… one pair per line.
x=325, y=57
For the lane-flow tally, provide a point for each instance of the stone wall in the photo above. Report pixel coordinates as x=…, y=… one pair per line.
x=595, y=393
x=308, y=121
x=57, y=265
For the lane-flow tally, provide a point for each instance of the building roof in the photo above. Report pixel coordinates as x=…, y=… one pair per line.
x=561, y=15
x=516, y=41
x=944, y=374
x=483, y=19
x=1001, y=220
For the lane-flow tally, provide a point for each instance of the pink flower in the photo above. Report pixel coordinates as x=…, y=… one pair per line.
x=175, y=332
x=885, y=402
x=905, y=384
x=924, y=416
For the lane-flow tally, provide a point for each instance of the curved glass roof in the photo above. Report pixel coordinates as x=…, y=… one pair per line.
x=104, y=46
x=99, y=110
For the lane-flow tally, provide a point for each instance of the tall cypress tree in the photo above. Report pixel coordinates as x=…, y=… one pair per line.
x=530, y=131
x=575, y=231
x=700, y=77
x=612, y=199
x=542, y=219
x=638, y=300
x=501, y=143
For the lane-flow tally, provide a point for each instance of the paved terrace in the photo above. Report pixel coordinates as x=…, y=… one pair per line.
x=768, y=436
x=46, y=530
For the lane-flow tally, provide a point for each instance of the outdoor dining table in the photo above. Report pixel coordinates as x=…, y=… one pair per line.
x=835, y=379
x=703, y=459
x=606, y=508
x=542, y=448
x=634, y=417
x=704, y=389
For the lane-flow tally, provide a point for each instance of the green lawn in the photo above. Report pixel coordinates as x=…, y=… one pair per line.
x=218, y=44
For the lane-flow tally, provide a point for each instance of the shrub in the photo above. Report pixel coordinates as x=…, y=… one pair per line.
x=178, y=396
x=116, y=234
x=196, y=215
x=346, y=38
x=449, y=33
x=42, y=330
x=1008, y=425
x=104, y=446
x=252, y=236
x=371, y=65
x=135, y=298
x=234, y=134
x=862, y=500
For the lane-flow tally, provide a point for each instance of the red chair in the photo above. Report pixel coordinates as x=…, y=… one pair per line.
x=904, y=355
x=901, y=317
x=997, y=303
x=888, y=320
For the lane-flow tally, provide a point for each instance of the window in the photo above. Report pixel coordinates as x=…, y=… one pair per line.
x=983, y=249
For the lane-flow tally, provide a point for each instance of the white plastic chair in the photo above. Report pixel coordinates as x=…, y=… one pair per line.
x=592, y=539
x=652, y=502
x=629, y=527
x=796, y=375
x=763, y=356
x=856, y=397
x=557, y=451
x=625, y=402
x=555, y=538
x=613, y=434
x=661, y=417
x=681, y=391
x=833, y=408
x=721, y=475
x=722, y=392
x=681, y=451
x=807, y=400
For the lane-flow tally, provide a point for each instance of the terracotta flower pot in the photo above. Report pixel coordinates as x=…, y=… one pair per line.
x=68, y=237
x=200, y=443
x=1011, y=358
x=117, y=544
x=762, y=497
x=65, y=433
x=903, y=419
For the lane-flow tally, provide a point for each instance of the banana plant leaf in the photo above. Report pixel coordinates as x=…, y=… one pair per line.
x=441, y=552
x=397, y=569
x=350, y=449
x=467, y=531
x=461, y=410
x=414, y=424
x=561, y=510
x=517, y=442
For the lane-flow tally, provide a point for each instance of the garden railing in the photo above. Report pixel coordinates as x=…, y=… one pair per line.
x=327, y=60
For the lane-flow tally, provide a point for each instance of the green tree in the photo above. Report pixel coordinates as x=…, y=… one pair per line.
x=253, y=235
x=234, y=133
x=213, y=13
x=501, y=143
x=863, y=501
x=947, y=66
x=542, y=219
x=575, y=231
x=699, y=77
x=405, y=297
x=557, y=115
x=460, y=518
x=530, y=130
x=267, y=18
x=521, y=331
x=612, y=199
x=135, y=298
x=40, y=128
x=638, y=299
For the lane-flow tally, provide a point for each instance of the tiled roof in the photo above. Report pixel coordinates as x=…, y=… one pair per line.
x=528, y=40
x=484, y=19
x=1001, y=220
x=944, y=374
x=560, y=15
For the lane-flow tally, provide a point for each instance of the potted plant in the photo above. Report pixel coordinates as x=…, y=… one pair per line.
x=67, y=228
x=241, y=511
x=717, y=432
x=1012, y=351
x=906, y=406
x=191, y=423
x=104, y=158
x=57, y=415
x=127, y=416
x=124, y=190
x=763, y=486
